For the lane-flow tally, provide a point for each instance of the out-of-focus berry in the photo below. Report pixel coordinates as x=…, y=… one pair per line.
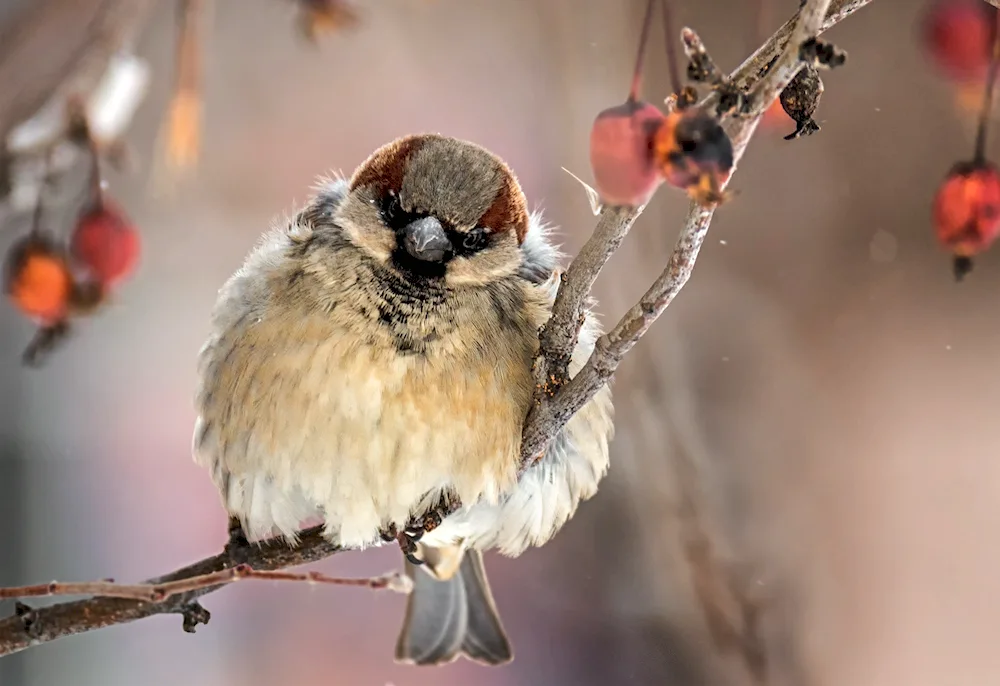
x=106, y=243
x=37, y=280
x=958, y=34
x=694, y=153
x=621, y=153
x=966, y=212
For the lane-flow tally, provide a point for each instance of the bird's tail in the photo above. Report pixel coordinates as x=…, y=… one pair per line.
x=451, y=613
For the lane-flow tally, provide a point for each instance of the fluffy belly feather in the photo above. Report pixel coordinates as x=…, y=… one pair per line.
x=351, y=432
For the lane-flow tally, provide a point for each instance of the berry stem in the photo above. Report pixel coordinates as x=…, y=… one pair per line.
x=670, y=37
x=991, y=78
x=79, y=132
x=36, y=214
x=96, y=191
x=633, y=94
x=44, y=185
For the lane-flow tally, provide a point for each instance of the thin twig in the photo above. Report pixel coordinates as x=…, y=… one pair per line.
x=154, y=593
x=555, y=405
x=636, y=86
x=991, y=77
x=670, y=40
x=32, y=627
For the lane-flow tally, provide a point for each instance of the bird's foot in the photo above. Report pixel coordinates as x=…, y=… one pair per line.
x=430, y=520
x=409, y=547
x=418, y=526
x=238, y=545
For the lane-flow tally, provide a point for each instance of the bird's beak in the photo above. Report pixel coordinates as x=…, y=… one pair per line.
x=426, y=240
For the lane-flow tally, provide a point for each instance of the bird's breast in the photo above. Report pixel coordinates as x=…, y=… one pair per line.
x=365, y=415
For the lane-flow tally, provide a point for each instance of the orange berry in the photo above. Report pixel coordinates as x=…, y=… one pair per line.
x=38, y=280
x=694, y=153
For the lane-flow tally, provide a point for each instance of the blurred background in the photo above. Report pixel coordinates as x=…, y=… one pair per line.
x=835, y=388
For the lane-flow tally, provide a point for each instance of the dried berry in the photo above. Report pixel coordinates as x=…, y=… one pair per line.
x=821, y=54
x=800, y=100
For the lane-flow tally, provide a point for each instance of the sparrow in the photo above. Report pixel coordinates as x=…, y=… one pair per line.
x=370, y=365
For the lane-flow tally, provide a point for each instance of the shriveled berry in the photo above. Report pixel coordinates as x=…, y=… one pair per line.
x=966, y=212
x=800, y=98
x=106, y=243
x=621, y=153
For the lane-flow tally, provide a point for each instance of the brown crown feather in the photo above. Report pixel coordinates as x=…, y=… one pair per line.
x=385, y=169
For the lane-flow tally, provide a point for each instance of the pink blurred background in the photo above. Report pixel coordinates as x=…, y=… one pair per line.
x=837, y=388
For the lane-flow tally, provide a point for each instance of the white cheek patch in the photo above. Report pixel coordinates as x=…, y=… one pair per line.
x=361, y=222
x=501, y=259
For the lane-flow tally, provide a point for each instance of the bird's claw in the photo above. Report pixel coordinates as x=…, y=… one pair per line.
x=409, y=547
x=414, y=530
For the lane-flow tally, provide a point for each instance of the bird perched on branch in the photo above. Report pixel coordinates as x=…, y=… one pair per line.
x=370, y=365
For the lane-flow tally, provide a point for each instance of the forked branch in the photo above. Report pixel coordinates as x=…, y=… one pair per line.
x=763, y=75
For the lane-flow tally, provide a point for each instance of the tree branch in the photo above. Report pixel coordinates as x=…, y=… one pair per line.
x=157, y=592
x=29, y=627
x=556, y=399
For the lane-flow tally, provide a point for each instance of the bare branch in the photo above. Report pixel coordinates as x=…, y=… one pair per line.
x=30, y=627
x=151, y=592
x=555, y=405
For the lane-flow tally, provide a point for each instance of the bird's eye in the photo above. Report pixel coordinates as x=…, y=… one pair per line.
x=392, y=210
x=475, y=240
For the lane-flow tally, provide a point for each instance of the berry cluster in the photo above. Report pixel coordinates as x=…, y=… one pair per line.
x=51, y=277
x=963, y=39
x=634, y=147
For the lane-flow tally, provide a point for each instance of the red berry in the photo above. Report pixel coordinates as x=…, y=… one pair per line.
x=959, y=36
x=621, y=153
x=106, y=243
x=967, y=212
